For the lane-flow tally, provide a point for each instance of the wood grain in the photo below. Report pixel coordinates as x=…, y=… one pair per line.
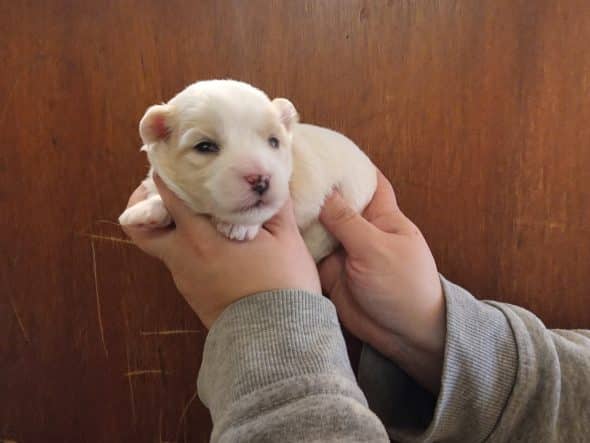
x=478, y=111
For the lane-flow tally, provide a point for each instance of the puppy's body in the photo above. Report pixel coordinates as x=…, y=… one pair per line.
x=324, y=160
x=228, y=151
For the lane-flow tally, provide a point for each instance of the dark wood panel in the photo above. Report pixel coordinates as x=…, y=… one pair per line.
x=477, y=111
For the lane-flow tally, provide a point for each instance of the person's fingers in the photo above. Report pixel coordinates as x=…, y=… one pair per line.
x=383, y=211
x=354, y=318
x=282, y=220
x=331, y=270
x=383, y=199
x=151, y=241
x=138, y=195
x=344, y=223
x=155, y=242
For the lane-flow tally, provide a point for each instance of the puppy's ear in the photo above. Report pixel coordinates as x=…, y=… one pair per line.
x=287, y=112
x=156, y=124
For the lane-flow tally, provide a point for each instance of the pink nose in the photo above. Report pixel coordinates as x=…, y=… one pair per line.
x=258, y=183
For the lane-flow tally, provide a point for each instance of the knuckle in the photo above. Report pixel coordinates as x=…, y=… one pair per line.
x=343, y=215
x=412, y=229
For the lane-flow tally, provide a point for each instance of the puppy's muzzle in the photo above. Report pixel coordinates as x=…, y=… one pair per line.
x=258, y=183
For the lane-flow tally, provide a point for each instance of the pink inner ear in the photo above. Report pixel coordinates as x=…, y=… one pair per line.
x=159, y=127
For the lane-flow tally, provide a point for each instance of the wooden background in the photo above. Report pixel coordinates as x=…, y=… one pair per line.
x=478, y=111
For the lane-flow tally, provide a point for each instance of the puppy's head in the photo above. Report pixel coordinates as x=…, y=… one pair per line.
x=225, y=148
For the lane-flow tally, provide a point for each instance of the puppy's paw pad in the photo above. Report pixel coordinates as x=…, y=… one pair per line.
x=238, y=232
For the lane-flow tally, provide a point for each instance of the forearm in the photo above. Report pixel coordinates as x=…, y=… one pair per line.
x=504, y=376
x=275, y=368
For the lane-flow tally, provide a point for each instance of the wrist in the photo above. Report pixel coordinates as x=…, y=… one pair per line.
x=420, y=352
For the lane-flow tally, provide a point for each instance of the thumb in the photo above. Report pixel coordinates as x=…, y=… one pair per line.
x=347, y=225
x=331, y=270
x=154, y=242
x=284, y=220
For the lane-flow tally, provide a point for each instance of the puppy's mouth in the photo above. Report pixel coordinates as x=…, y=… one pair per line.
x=257, y=205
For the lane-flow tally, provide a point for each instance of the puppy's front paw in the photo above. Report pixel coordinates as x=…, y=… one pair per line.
x=238, y=232
x=149, y=213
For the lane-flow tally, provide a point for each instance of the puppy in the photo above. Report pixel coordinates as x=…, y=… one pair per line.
x=230, y=152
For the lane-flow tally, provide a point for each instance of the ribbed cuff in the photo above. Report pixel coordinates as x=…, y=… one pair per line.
x=266, y=338
x=479, y=373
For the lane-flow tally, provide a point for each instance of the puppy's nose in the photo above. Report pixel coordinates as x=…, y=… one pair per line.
x=258, y=183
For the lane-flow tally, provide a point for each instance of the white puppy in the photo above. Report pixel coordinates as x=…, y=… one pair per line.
x=230, y=152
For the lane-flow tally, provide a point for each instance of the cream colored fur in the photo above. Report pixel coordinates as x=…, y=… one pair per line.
x=309, y=162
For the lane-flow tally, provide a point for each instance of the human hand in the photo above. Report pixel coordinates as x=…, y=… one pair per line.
x=210, y=271
x=385, y=285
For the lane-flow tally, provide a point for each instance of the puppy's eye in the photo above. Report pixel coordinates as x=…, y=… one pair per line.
x=273, y=142
x=207, y=147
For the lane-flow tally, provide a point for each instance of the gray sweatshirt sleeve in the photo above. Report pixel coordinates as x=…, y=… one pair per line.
x=505, y=378
x=275, y=369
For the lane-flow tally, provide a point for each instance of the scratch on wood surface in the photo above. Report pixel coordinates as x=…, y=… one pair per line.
x=129, y=379
x=98, y=308
x=170, y=332
x=184, y=411
x=20, y=322
x=142, y=372
x=107, y=222
x=108, y=238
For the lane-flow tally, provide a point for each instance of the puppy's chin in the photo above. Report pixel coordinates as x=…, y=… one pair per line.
x=256, y=215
